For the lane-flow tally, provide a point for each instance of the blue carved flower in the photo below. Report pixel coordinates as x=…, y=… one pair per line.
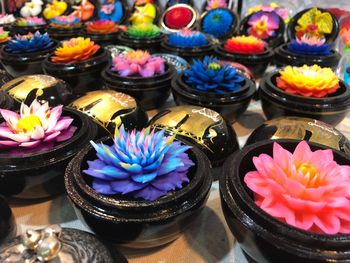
x=209, y=75
x=217, y=22
x=310, y=46
x=111, y=11
x=29, y=43
x=142, y=164
x=187, y=38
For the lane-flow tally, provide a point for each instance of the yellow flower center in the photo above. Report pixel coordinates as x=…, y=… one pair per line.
x=214, y=66
x=311, y=174
x=261, y=26
x=28, y=123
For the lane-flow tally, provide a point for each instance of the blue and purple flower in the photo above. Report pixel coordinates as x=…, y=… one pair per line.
x=310, y=46
x=217, y=22
x=142, y=164
x=29, y=43
x=209, y=75
x=188, y=38
x=111, y=11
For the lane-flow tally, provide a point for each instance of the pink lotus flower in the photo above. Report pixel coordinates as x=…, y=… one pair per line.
x=138, y=63
x=34, y=125
x=304, y=189
x=263, y=24
x=311, y=40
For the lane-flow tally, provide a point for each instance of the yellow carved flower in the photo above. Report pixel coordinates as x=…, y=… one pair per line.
x=315, y=23
x=308, y=81
x=143, y=14
x=75, y=50
x=57, y=8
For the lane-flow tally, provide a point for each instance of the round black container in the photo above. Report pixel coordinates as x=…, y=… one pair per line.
x=188, y=53
x=276, y=102
x=23, y=30
x=20, y=64
x=110, y=109
x=262, y=237
x=6, y=102
x=297, y=128
x=64, y=33
x=230, y=105
x=150, y=44
x=44, y=88
x=33, y=176
x=103, y=39
x=138, y=223
x=82, y=76
x=151, y=92
x=7, y=221
x=273, y=41
x=256, y=63
x=283, y=57
x=294, y=21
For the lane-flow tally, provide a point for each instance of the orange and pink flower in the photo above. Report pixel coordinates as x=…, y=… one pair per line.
x=103, y=27
x=245, y=45
x=305, y=189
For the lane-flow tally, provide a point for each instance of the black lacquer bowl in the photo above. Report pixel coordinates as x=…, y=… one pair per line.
x=82, y=76
x=276, y=102
x=6, y=102
x=138, y=223
x=23, y=30
x=283, y=57
x=38, y=175
x=188, y=53
x=20, y=64
x=103, y=39
x=262, y=237
x=7, y=221
x=151, y=92
x=152, y=45
x=64, y=33
x=256, y=63
x=230, y=105
x=273, y=41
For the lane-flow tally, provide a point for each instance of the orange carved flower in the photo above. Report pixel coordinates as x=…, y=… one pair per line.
x=75, y=50
x=103, y=27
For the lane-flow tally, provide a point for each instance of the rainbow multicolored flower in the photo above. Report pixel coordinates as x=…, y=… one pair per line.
x=142, y=164
x=245, y=45
x=143, y=31
x=34, y=125
x=138, y=63
x=308, y=81
x=306, y=189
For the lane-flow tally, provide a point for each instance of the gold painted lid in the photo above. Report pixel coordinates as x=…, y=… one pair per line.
x=103, y=106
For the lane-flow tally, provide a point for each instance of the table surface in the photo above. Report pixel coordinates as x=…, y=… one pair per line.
x=207, y=240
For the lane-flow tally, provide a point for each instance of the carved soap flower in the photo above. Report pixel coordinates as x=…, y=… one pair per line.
x=210, y=75
x=111, y=10
x=308, y=81
x=217, y=22
x=310, y=46
x=305, y=189
x=178, y=17
x=263, y=24
x=75, y=50
x=188, y=38
x=29, y=43
x=31, y=8
x=30, y=21
x=65, y=22
x=56, y=8
x=138, y=63
x=7, y=19
x=141, y=164
x=34, y=125
x=245, y=45
x=145, y=12
x=314, y=23
x=272, y=7
x=4, y=35
x=85, y=10
x=103, y=27
x=212, y=4
x=143, y=31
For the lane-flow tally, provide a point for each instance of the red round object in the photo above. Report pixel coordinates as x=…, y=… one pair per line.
x=178, y=18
